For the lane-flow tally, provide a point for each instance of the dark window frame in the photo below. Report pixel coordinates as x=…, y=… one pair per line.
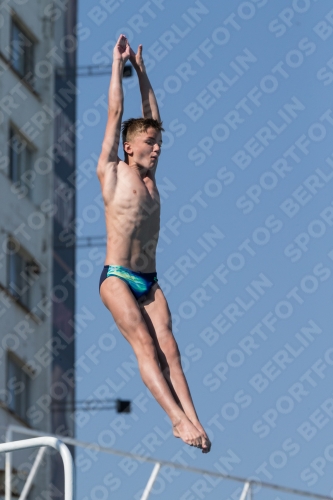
x=21, y=273
x=15, y=173
x=27, y=44
x=19, y=401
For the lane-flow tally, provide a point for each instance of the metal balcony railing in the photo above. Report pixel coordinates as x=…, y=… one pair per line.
x=246, y=494
x=38, y=442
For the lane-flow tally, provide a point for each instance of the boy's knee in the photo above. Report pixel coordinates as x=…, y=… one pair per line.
x=171, y=350
x=144, y=343
x=131, y=318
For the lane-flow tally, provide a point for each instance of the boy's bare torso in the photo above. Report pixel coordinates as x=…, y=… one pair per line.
x=132, y=213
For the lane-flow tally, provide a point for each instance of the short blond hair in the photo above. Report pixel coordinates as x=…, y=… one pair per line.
x=130, y=128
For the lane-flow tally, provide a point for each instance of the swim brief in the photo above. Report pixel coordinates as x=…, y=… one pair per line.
x=139, y=283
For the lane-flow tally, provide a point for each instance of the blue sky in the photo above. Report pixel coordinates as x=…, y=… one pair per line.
x=245, y=94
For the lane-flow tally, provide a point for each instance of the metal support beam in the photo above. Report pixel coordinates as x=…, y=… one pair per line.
x=151, y=481
x=8, y=469
x=32, y=473
x=246, y=490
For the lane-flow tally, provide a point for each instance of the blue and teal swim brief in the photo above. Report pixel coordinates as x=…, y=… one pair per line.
x=139, y=283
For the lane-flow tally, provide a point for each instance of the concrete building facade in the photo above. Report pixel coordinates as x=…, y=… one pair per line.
x=37, y=208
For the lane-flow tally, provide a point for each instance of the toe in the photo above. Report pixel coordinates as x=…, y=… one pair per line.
x=206, y=445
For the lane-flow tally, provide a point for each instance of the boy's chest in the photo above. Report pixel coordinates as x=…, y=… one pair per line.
x=138, y=193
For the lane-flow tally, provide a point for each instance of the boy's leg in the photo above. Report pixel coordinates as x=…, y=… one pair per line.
x=120, y=301
x=158, y=319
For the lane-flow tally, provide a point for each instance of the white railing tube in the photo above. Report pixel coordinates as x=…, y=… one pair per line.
x=32, y=473
x=151, y=481
x=8, y=466
x=195, y=470
x=245, y=491
x=53, y=443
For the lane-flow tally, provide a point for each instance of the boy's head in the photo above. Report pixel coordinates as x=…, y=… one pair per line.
x=134, y=126
x=139, y=132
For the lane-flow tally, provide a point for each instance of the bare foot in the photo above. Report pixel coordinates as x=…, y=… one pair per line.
x=185, y=430
x=206, y=444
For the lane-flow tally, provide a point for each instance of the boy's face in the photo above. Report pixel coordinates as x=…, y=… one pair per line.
x=145, y=147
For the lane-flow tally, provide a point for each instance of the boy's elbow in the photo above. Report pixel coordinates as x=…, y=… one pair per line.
x=115, y=108
x=99, y=172
x=115, y=112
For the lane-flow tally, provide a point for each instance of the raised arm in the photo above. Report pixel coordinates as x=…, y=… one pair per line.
x=149, y=102
x=109, y=153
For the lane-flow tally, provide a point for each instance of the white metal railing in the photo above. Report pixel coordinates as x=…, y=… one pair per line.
x=38, y=442
x=32, y=473
x=151, y=481
x=247, y=493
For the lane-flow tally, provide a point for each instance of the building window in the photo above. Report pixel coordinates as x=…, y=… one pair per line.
x=20, y=163
x=18, y=387
x=22, y=53
x=22, y=273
